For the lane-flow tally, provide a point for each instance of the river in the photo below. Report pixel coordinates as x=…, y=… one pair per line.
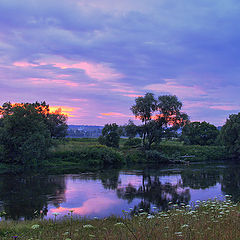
x=107, y=192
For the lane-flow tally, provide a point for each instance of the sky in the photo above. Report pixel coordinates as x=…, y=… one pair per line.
x=92, y=58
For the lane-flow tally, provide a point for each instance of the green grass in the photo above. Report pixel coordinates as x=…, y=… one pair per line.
x=85, y=151
x=199, y=153
x=210, y=220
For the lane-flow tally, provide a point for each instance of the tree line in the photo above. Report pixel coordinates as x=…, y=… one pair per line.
x=27, y=130
x=162, y=118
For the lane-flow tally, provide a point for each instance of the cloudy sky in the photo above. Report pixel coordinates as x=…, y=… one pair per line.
x=94, y=57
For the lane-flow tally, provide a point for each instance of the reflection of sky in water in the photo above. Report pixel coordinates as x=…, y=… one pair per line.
x=205, y=194
x=89, y=198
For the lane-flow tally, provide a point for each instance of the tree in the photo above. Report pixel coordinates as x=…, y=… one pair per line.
x=199, y=133
x=230, y=135
x=26, y=130
x=57, y=124
x=110, y=135
x=143, y=110
x=130, y=130
x=161, y=117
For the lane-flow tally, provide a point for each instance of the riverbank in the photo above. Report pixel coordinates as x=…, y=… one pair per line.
x=84, y=154
x=208, y=220
x=89, y=151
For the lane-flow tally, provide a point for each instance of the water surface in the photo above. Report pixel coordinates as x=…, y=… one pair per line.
x=108, y=192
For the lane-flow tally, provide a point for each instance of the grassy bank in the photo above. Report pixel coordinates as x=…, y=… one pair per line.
x=80, y=154
x=210, y=220
x=88, y=151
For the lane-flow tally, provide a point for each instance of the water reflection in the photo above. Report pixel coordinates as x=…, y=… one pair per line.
x=154, y=191
x=109, y=192
x=27, y=196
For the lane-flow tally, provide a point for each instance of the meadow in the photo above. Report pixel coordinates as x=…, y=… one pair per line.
x=206, y=220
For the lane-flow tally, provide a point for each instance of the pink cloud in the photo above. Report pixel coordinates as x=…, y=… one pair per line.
x=93, y=70
x=132, y=95
x=53, y=81
x=98, y=71
x=24, y=64
x=115, y=114
x=173, y=87
x=122, y=90
x=195, y=105
x=226, y=107
x=93, y=205
x=78, y=99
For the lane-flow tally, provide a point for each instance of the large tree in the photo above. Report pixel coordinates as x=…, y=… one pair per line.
x=199, y=133
x=161, y=117
x=26, y=130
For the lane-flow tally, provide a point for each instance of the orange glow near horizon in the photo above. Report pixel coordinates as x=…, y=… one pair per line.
x=115, y=114
x=68, y=111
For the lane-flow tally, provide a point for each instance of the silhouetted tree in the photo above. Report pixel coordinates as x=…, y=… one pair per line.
x=160, y=118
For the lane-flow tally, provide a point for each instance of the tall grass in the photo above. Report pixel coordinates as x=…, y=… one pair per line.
x=209, y=220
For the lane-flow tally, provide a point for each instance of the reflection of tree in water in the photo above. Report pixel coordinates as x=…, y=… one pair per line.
x=231, y=182
x=200, y=178
x=110, y=179
x=153, y=191
x=26, y=196
x=227, y=175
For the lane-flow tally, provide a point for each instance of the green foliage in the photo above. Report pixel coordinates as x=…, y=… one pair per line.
x=133, y=142
x=144, y=107
x=24, y=136
x=57, y=125
x=161, y=118
x=199, y=133
x=110, y=135
x=130, y=130
x=230, y=135
x=26, y=130
x=90, y=155
x=176, y=150
x=154, y=156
